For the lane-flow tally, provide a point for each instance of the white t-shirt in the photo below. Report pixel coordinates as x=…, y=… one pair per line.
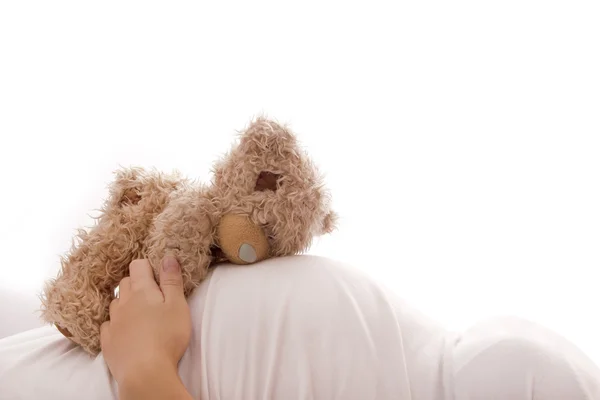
x=300, y=327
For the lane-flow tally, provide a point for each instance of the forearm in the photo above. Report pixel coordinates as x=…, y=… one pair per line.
x=154, y=384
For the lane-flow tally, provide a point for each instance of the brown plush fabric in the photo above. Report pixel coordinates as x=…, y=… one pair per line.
x=265, y=177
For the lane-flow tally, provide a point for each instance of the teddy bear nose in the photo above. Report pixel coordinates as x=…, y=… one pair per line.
x=247, y=253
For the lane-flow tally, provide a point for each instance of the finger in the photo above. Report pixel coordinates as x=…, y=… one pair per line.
x=104, y=334
x=140, y=273
x=112, y=307
x=124, y=288
x=171, y=281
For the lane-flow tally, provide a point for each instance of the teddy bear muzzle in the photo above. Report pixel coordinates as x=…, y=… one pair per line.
x=241, y=240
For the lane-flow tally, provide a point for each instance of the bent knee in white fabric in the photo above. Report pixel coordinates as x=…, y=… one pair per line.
x=514, y=359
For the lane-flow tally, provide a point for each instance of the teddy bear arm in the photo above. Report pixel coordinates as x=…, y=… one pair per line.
x=185, y=230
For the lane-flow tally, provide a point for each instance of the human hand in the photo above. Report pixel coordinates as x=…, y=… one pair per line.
x=149, y=329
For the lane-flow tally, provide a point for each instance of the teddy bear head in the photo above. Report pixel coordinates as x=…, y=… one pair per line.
x=268, y=180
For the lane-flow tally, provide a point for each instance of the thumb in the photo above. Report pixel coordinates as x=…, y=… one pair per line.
x=171, y=281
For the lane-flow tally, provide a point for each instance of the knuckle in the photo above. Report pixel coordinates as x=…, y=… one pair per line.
x=171, y=281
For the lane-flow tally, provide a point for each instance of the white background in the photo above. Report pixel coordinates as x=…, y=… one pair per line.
x=460, y=139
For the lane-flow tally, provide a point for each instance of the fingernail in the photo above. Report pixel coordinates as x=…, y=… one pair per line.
x=170, y=264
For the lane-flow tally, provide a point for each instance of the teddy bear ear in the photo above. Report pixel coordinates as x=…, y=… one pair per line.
x=265, y=154
x=266, y=136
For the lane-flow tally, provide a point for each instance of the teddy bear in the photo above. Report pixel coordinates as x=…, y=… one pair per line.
x=266, y=199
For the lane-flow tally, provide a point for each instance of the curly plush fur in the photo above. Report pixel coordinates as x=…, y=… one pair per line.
x=150, y=214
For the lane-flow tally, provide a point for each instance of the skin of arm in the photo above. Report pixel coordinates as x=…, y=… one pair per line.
x=156, y=383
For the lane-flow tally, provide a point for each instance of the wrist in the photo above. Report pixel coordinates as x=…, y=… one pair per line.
x=153, y=381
